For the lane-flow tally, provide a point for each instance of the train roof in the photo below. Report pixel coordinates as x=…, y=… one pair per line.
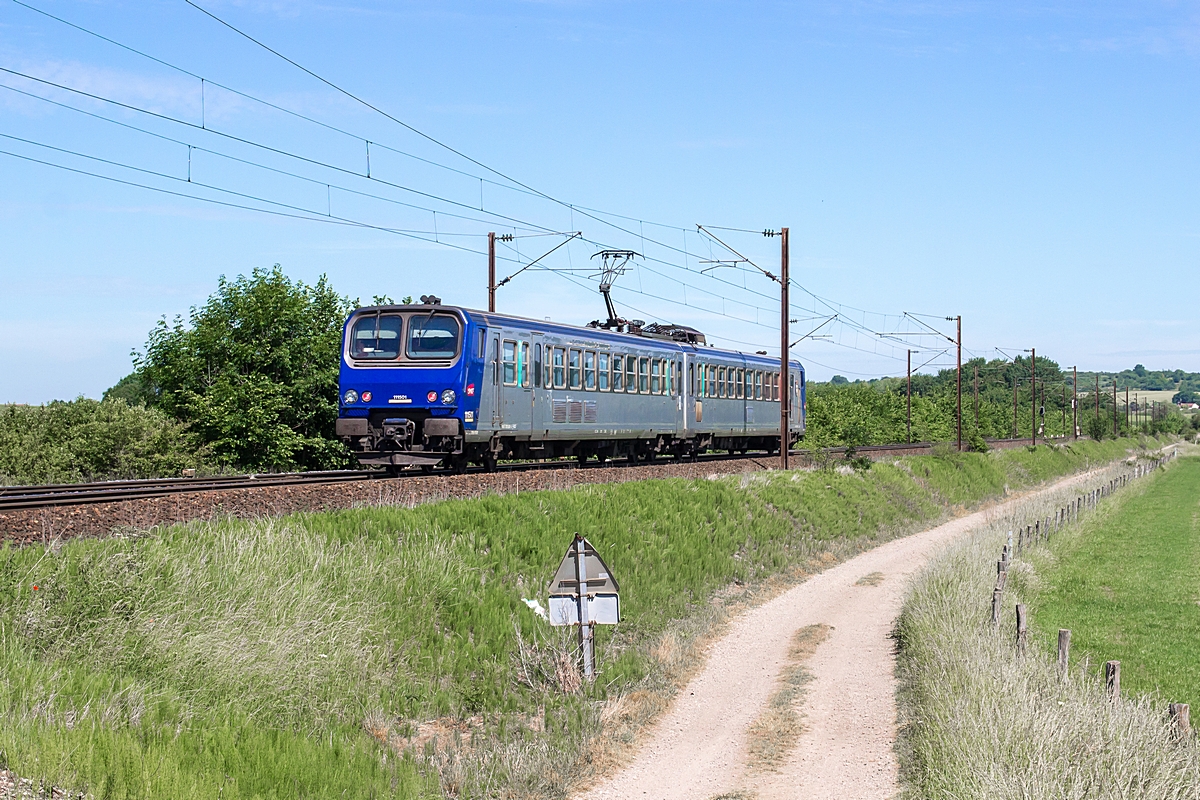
x=603, y=334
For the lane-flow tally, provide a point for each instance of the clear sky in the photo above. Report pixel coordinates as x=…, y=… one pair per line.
x=1032, y=167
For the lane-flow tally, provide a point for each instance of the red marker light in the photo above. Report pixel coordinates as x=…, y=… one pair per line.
x=366, y=397
x=470, y=390
x=431, y=397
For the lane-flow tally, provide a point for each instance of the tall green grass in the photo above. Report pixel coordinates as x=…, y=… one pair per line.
x=387, y=651
x=980, y=720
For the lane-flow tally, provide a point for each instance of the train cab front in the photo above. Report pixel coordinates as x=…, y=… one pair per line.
x=407, y=386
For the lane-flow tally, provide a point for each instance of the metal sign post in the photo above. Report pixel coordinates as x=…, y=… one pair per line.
x=584, y=593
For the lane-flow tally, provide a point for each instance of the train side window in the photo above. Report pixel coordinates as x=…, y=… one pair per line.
x=712, y=381
x=523, y=364
x=537, y=365
x=573, y=360
x=618, y=384
x=748, y=392
x=775, y=387
x=757, y=385
x=589, y=371
x=738, y=378
x=672, y=369
x=643, y=375
x=482, y=346
x=630, y=373
x=509, y=362
x=720, y=381
x=560, y=368
x=655, y=379
x=602, y=372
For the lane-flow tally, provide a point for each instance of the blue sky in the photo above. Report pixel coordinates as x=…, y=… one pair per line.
x=1030, y=167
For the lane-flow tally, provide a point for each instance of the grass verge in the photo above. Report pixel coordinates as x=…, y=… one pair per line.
x=979, y=720
x=387, y=651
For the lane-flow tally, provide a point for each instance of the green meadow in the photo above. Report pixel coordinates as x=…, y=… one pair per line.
x=1127, y=585
x=388, y=651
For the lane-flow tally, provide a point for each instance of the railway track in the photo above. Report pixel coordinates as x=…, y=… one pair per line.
x=13, y=498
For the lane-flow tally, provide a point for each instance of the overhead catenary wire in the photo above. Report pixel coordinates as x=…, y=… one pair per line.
x=843, y=320
x=266, y=147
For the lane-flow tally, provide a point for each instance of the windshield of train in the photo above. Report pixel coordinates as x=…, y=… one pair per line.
x=432, y=336
x=375, y=336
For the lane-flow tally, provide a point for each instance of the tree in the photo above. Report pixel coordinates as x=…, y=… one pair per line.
x=1185, y=396
x=254, y=372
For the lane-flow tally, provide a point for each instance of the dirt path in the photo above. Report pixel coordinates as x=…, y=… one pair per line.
x=698, y=749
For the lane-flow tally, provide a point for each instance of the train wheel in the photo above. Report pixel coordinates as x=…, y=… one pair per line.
x=427, y=469
x=489, y=462
x=458, y=465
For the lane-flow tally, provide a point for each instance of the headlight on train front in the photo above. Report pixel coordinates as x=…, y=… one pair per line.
x=447, y=397
x=350, y=397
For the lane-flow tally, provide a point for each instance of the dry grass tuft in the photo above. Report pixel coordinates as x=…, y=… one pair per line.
x=870, y=579
x=776, y=730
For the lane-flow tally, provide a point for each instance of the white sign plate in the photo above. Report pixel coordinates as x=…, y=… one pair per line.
x=603, y=609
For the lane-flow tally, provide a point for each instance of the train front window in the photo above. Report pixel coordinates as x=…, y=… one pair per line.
x=375, y=336
x=432, y=336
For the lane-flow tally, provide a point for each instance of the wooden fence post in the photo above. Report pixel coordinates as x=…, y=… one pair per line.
x=1112, y=678
x=1064, y=651
x=1179, y=715
x=1022, y=629
x=997, y=596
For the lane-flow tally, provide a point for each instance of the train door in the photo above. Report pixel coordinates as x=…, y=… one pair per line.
x=539, y=396
x=693, y=411
x=679, y=392
x=497, y=399
x=515, y=389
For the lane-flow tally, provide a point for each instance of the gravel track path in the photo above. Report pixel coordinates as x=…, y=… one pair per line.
x=698, y=749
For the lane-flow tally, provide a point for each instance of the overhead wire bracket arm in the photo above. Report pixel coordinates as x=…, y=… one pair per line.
x=717, y=239
x=570, y=236
x=814, y=330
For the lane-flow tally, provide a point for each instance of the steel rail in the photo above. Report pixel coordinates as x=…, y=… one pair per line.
x=13, y=498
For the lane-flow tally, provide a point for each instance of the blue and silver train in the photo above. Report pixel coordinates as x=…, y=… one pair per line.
x=432, y=385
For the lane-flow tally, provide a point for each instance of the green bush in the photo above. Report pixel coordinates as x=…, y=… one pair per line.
x=254, y=372
x=81, y=440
